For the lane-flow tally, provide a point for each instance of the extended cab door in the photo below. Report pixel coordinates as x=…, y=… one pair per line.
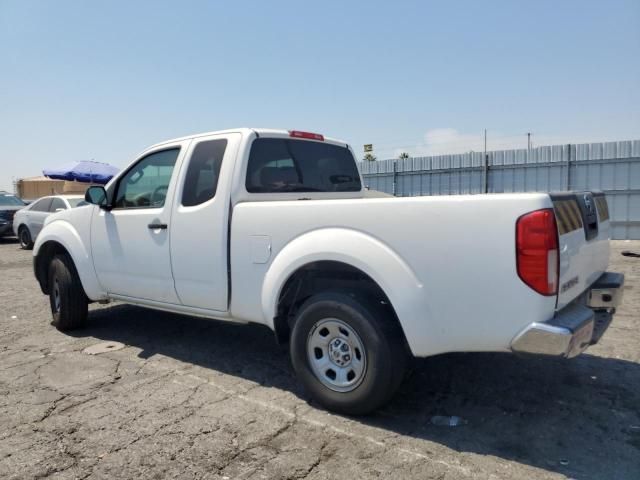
x=130, y=243
x=200, y=222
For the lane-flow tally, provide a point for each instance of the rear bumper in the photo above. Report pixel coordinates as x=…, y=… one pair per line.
x=575, y=327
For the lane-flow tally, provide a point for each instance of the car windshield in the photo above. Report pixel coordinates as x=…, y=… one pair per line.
x=10, y=201
x=77, y=202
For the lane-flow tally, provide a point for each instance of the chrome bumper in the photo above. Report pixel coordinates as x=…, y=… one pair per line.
x=576, y=326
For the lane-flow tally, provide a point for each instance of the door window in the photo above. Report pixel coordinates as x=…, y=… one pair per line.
x=57, y=203
x=146, y=184
x=41, y=205
x=201, y=180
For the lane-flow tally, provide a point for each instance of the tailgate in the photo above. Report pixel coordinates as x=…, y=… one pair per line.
x=583, y=231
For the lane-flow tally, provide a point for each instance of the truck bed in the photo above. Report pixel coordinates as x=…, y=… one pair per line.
x=462, y=267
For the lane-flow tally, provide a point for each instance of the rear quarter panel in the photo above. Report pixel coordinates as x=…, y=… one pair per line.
x=455, y=285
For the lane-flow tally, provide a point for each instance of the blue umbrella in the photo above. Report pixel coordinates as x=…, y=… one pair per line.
x=84, y=171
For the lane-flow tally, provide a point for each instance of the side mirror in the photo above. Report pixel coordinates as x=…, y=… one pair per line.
x=96, y=195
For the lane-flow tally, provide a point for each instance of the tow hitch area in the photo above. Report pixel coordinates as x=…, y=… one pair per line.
x=607, y=291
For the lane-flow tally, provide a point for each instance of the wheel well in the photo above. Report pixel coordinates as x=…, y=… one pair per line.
x=41, y=262
x=322, y=276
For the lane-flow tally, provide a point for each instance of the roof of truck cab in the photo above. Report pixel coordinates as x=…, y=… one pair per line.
x=266, y=132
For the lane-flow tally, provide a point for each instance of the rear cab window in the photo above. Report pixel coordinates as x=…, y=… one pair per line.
x=278, y=165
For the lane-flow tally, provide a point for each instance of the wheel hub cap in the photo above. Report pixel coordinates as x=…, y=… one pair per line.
x=339, y=352
x=336, y=355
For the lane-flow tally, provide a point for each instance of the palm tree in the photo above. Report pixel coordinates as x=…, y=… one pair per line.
x=403, y=155
x=369, y=157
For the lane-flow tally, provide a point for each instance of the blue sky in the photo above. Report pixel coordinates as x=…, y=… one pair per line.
x=103, y=80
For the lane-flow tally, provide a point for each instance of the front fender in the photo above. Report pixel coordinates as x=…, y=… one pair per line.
x=62, y=232
x=359, y=250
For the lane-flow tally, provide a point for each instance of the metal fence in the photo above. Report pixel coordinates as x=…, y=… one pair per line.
x=612, y=167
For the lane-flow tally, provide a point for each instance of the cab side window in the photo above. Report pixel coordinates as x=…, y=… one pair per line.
x=147, y=183
x=56, y=204
x=201, y=180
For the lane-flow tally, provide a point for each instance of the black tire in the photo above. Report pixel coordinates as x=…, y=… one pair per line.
x=26, y=243
x=68, y=301
x=379, y=334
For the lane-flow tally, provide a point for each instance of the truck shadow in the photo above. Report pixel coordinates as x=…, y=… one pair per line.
x=579, y=418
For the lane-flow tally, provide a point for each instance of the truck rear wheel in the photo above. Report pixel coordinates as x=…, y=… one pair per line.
x=68, y=301
x=348, y=352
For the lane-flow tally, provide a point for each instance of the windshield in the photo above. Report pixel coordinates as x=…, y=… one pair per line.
x=77, y=202
x=10, y=201
x=281, y=165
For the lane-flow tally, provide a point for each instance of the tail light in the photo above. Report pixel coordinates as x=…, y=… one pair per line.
x=537, y=251
x=307, y=135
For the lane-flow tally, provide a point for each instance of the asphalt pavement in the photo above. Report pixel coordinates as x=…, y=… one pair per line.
x=183, y=397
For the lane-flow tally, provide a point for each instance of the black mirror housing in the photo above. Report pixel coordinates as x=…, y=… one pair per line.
x=96, y=195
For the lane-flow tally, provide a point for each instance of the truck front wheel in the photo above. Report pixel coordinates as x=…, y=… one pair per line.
x=348, y=352
x=68, y=301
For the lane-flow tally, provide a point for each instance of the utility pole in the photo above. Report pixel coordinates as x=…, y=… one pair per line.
x=529, y=141
x=486, y=165
x=485, y=142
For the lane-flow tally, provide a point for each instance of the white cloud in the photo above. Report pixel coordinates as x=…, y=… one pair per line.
x=444, y=141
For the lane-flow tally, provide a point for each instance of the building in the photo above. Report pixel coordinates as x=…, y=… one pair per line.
x=35, y=187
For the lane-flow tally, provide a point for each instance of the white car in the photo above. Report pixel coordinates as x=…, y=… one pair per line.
x=273, y=227
x=28, y=221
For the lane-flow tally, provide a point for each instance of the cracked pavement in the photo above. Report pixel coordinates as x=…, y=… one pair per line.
x=193, y=398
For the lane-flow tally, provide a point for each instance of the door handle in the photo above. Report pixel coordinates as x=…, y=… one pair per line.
x=156, y=226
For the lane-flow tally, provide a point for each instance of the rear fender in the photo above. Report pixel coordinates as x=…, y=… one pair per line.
x=364, y=252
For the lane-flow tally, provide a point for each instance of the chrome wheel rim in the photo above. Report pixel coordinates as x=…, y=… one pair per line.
x=336, y=355
x=56, y=296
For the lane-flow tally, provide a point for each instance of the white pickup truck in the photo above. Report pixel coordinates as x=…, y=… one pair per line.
x=275, y=227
